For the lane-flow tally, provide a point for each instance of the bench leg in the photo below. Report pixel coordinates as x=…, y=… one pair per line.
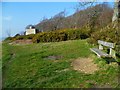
x=112, y=53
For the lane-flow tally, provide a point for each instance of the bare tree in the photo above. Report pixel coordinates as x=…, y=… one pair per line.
x=58, y=20
x=79, y=19
x=116, y=15
x=8, y=32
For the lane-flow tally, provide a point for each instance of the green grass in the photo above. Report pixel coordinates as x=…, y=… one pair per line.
x=25, y=66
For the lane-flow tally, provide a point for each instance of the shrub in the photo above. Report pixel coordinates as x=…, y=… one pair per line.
x=21, y=37
x=110, y=33
x=29, y=36
x=8, y=38
x=56, y=36
x=61, y=35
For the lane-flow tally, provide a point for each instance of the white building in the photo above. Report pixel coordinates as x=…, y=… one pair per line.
x=30, y=29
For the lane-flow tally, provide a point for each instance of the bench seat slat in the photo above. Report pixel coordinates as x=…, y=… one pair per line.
x=99, y=52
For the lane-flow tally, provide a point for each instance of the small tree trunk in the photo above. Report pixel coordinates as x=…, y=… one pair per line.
x=116, y=15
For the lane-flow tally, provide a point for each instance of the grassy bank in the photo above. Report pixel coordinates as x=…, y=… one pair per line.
x=29, y=66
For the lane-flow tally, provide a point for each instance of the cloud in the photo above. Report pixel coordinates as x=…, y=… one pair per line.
x=7, y=18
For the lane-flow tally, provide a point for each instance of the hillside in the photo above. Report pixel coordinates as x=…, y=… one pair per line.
x=100, y=14
x=50, y=65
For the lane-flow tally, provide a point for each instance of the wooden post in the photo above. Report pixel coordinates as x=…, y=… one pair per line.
x=100, y=47
x=112, y=53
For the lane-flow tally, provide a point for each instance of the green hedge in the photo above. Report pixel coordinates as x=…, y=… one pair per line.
x=61, y=35
x=56, y=36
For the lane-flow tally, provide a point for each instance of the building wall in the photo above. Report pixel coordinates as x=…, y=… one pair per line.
x=30, y=31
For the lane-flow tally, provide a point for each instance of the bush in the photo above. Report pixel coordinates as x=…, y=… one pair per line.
x=8, y=38
x=56, y=36
x=110, y=33
x=61, y=35
x=29, y=36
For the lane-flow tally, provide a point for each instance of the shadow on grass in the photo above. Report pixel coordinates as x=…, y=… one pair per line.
x=110, y=60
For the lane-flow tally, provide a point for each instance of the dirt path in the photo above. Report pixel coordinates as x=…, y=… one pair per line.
x=85, y=65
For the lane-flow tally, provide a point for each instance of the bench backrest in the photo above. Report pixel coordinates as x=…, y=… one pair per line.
x=107, y=44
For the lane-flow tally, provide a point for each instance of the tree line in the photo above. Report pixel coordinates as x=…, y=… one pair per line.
x=96, y=16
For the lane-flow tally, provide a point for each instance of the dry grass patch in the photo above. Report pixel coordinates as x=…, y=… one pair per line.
x=85, y=65
x=19, y=42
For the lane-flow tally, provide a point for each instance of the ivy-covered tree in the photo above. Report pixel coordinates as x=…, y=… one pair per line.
x=116, y=15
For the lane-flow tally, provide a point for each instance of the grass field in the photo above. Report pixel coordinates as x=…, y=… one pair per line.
x=27, y=66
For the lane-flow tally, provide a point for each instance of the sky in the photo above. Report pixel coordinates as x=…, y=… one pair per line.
x=17, y=15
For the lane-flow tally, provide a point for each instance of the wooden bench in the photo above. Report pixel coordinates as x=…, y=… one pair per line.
x=101, y=53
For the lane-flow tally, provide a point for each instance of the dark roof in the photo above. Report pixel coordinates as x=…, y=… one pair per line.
x=30, y=26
